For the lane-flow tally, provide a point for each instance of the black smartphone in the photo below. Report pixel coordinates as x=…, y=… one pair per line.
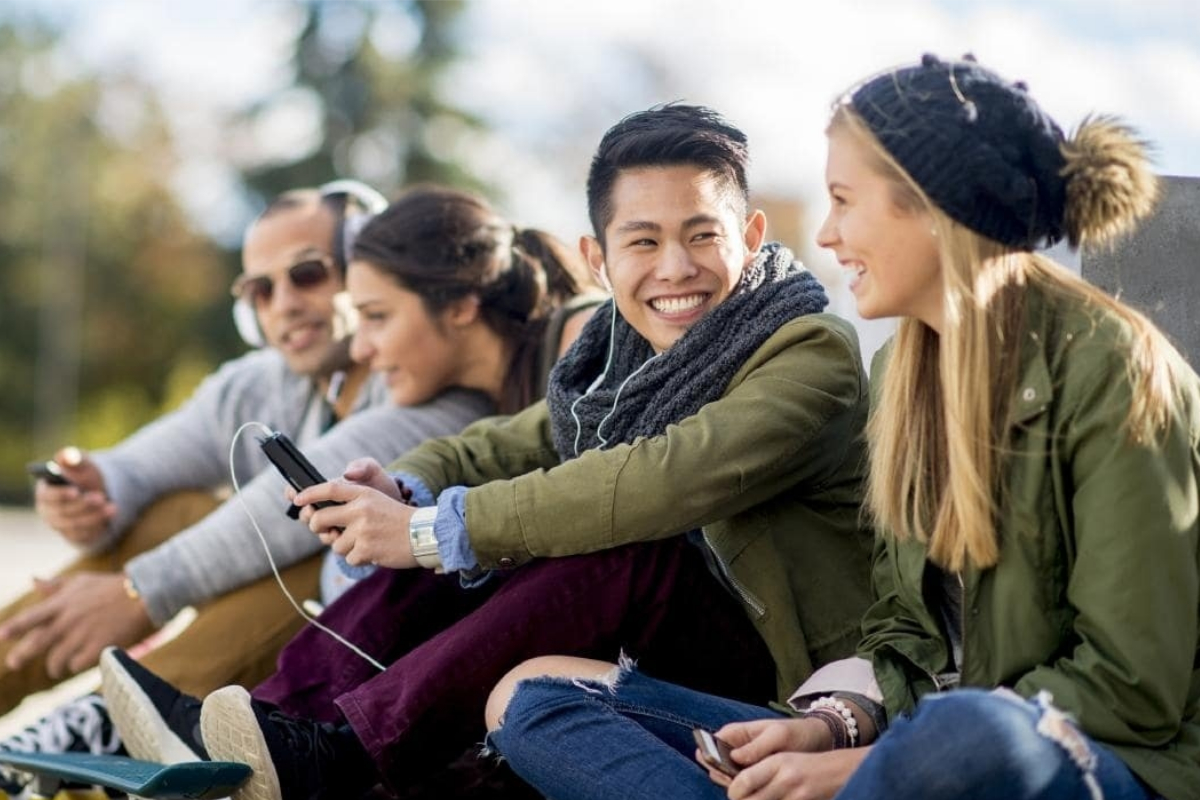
x=293, y=466
x=715, y=752
x=48, y=471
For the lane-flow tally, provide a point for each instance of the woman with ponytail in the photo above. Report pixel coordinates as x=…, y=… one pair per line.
x=1034, y=481
x=501, y=301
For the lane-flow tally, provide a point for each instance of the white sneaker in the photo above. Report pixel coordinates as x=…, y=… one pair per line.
x=156, y=721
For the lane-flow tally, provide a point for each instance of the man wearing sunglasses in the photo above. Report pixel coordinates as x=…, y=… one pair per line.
x=139, y=510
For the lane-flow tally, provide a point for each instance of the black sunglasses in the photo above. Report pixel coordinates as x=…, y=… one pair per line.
x=307, y=274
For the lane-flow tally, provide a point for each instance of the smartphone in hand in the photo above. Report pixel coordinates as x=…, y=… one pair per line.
x=48, y=471
x=293, y=466
x=715, y=752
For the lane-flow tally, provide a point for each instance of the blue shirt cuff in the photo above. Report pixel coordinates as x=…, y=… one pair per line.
x=337, y=576
x=450, y=528
x=420, y=492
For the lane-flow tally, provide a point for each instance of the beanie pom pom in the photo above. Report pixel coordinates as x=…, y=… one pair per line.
x=1109, y=183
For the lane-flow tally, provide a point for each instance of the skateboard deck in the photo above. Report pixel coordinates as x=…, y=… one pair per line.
x=193, y=780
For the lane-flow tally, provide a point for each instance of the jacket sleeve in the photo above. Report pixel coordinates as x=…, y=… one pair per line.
x=788, y=418
x=1133, y=575
x=896, y=638
x=495, y=448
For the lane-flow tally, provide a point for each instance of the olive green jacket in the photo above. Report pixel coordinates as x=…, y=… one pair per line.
x=772, y=472
x=1095, y=595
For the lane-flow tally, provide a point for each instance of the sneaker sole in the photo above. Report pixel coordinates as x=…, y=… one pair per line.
x=143, y=730
x=231, y=733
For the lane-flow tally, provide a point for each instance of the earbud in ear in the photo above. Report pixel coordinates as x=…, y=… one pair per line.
x=246, y=322
x=604, y=281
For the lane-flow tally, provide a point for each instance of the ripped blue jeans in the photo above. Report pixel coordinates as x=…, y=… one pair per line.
x=631, y=737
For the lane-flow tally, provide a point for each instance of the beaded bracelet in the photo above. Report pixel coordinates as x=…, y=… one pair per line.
x=874, y=711
x=832, y=721
x=832, y=709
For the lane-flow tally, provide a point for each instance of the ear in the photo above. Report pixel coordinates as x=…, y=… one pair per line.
x=593, y=253
x=461, y=312
x=755, y=232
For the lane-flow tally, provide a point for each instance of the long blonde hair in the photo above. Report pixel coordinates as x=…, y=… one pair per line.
x=938, y=433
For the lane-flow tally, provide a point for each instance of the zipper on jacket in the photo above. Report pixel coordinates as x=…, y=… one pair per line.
x=740, y=590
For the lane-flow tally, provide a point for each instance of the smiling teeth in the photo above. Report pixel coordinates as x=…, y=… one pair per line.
x=674, y=305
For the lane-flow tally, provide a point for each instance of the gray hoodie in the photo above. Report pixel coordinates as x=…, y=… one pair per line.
x=190, y=449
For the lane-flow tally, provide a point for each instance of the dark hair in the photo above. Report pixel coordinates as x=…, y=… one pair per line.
x=667, y=135
x=444, y=245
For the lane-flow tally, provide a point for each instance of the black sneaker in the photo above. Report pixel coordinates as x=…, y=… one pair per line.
x=156, y=721
x=80, y=726
x=292, y=759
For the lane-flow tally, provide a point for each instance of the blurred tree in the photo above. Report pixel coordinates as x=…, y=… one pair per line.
x=116, y=303
x=368, y=77
x=108, y=289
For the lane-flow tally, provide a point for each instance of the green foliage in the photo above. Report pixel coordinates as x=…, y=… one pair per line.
x=382, y=113
x=116, y=303
x=105, y=278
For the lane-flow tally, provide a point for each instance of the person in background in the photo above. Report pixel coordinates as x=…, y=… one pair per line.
x=1034, y=481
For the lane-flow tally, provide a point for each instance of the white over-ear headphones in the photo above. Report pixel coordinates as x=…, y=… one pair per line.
x=369, y=202
x=246, y=321
x=366, y=202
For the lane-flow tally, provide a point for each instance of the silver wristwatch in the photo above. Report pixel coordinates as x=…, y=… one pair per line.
x=424, y=541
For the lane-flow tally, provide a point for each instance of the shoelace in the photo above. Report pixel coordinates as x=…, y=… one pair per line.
x=79, y=726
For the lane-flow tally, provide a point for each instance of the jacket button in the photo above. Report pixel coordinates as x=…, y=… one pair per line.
x=506, y=563
x=1028, y=394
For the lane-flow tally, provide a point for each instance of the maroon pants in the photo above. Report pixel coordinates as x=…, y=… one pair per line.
x=448, y=646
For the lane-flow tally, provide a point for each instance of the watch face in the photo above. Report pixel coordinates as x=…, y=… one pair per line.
x=422, y=537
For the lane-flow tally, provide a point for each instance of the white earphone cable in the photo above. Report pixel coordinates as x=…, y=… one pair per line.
x=266, y=548
x=612, y=330
x=617, y=398
x=612, y=335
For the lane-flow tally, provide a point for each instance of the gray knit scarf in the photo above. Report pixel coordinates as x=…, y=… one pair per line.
x=694, y=371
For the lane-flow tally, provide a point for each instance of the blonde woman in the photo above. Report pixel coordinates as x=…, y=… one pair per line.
x=1034, y=479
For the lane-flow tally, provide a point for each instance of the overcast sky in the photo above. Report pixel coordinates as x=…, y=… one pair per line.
x=551, y=75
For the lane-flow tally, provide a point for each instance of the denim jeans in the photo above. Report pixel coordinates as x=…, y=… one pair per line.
x=632, y=738
x=446, y=646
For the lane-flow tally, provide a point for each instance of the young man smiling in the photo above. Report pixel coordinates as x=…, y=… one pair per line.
x=693, y=476
x=677, y=250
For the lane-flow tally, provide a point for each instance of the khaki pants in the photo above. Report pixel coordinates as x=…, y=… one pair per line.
x=233, y=639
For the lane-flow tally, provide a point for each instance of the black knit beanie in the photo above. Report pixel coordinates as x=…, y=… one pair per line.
x=978, y=146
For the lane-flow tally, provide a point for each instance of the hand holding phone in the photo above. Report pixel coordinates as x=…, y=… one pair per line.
x=48, y=471
x=715, y=752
